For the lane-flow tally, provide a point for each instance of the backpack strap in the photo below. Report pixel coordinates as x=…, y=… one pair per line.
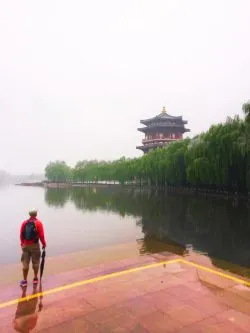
x=37, y=238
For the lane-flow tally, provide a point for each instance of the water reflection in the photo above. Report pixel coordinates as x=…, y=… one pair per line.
x=27, y=311
x=170, y=222
x=57, y=197
x=150, y=244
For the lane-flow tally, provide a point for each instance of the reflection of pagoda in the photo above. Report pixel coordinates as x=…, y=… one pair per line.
x=161, y=130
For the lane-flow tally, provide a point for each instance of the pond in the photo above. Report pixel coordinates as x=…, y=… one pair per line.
x=81, y=219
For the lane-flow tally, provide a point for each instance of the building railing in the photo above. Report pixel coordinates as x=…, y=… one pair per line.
x=159, y=140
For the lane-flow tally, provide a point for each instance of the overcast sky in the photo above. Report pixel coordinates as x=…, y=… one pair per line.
x=77, y=76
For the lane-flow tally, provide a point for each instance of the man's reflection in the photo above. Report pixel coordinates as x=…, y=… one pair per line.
x=26, y=315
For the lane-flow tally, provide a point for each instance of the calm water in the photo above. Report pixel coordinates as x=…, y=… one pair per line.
x=79, y=219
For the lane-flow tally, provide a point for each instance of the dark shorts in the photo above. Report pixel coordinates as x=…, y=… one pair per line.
x=31, y=253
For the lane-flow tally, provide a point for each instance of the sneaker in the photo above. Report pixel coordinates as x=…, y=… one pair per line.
x=23, y=283
x=35, y=281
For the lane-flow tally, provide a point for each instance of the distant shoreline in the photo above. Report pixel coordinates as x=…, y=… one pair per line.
x=179, y=190
x=30, y=184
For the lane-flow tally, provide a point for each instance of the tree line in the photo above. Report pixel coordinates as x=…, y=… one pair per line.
x=218, y=159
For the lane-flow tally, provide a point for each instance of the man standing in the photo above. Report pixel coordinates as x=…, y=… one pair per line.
x=30, y=234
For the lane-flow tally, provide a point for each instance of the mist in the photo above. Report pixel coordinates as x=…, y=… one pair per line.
x=77, y=77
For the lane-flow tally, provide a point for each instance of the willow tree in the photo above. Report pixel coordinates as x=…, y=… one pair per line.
x=246, y=140
x=246, y=110
x=58, y=171
x=175, y=173
x=215, y=159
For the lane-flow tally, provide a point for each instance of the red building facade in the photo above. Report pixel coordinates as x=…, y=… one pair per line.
x=161, y=130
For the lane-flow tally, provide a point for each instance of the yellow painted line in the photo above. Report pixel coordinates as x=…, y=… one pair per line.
x=89, y=281
x=214, y=271
x=117, y=274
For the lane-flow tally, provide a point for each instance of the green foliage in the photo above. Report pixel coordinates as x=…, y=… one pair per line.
x=246, y=110
x=217, y=159
x=58, y=171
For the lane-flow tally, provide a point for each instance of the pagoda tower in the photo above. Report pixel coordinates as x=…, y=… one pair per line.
x=161, y=130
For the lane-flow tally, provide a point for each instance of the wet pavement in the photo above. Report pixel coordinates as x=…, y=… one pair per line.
x=158, y=293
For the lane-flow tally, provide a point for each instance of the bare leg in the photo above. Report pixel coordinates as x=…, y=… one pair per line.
x=25, y=273
x=36, y=255
x=36, y=270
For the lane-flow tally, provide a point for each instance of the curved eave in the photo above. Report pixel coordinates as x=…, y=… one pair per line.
x=152, y=146
x=160, y=117
x=152, y=123
x=140, y=147
x=167, y=127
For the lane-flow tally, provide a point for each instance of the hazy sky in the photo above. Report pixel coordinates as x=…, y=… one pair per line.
x=77, y=76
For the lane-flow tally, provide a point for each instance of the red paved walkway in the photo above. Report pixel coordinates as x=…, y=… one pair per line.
x=174, y=297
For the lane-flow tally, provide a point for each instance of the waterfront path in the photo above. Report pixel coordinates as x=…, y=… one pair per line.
x=118, y=291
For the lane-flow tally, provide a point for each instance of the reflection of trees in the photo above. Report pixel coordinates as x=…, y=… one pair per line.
x=152, y=244
x=221, y=230
x=57, y=197
x=105, y=199
x=90, y=200
x=212, y=226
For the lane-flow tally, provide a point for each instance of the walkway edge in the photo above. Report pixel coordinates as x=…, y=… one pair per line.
x=116, y=274
x=89, y=281
x=216, y=272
